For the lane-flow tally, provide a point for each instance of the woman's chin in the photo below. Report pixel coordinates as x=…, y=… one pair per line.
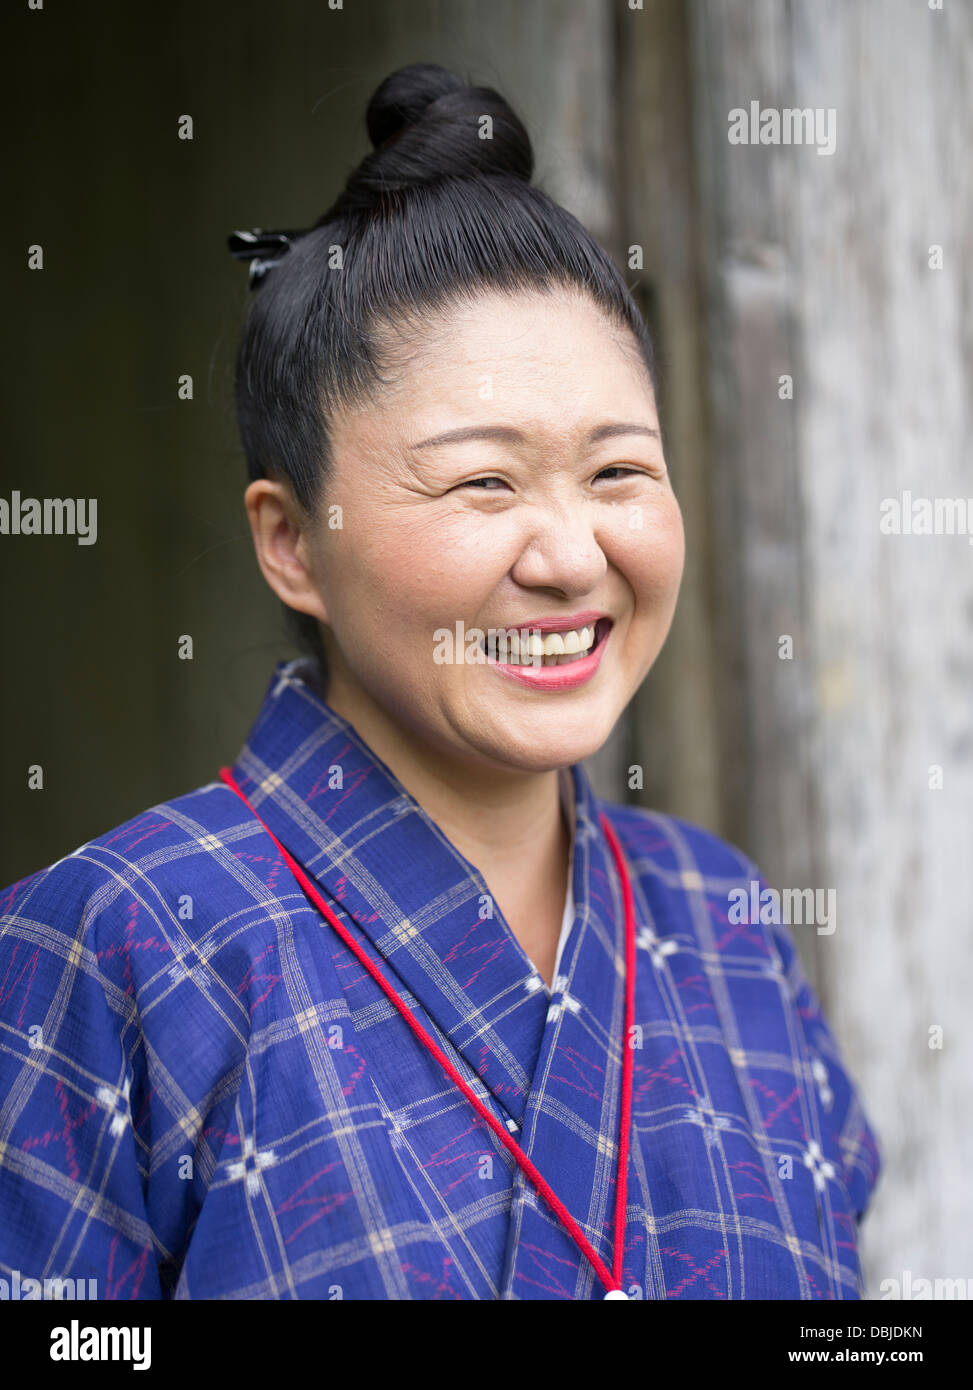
x=551, y=742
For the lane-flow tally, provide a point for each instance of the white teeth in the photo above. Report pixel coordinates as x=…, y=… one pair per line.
x=521, y=647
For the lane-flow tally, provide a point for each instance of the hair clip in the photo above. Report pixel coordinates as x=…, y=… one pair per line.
x=261, y=249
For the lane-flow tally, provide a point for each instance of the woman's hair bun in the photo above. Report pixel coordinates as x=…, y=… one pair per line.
x=405, y=94
x=426, y=123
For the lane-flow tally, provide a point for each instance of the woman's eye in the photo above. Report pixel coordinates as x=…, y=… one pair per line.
x=480, y=483
x=619, y=469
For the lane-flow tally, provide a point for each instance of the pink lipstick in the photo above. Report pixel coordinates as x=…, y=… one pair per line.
x=565, y=677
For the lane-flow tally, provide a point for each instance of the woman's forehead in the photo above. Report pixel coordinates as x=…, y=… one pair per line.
x=549, y=357
x=514, y=320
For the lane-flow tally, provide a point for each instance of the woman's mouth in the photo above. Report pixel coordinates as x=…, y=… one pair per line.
x=531, y=647
x=548, y=660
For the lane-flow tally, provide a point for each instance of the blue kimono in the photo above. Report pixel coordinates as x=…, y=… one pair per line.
x=203, y=1094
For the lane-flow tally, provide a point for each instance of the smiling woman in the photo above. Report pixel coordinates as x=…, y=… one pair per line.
x=398, y=1008
x=530, y=513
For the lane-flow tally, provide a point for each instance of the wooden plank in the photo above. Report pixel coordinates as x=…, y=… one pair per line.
x=676, y=713
x=818, y=266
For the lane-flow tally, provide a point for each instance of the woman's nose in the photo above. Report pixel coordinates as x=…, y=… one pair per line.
x=561, y=551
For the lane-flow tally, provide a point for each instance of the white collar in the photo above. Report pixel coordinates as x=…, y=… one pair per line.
x=566, y=787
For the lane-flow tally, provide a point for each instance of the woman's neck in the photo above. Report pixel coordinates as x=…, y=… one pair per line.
x=509, y=824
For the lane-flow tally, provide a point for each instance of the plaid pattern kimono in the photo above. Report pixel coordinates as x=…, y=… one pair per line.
x=204, y=1095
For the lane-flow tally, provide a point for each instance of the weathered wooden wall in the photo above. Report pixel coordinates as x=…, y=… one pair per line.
x=819, y=267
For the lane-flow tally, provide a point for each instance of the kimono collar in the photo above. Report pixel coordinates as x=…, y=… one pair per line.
x=426, y=911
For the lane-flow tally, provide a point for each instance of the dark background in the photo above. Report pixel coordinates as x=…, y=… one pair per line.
x=137, y=289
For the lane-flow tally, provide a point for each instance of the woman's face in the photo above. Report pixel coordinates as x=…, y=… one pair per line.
x=512, y=477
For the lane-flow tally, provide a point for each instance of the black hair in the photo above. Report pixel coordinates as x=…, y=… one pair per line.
x=441, y=209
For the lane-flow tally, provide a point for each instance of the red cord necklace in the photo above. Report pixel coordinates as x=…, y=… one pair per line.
x=611, y=1278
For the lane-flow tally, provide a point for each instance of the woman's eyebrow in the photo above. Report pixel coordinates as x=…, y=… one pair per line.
x=507, y=432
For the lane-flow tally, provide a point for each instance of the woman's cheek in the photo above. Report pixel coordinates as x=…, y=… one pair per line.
x=401, y=586
x=382, y=567
x=459, y=564
x=649, y=549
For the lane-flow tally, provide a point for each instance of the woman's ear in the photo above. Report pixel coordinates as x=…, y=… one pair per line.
x=281, y=542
